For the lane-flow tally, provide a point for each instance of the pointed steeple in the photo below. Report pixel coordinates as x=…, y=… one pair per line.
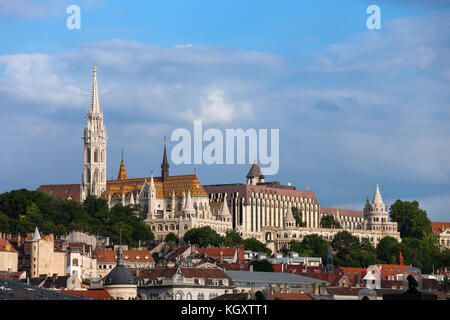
x=400, y=259
x=225, y=212
x=36, y=236
x=95, y=104
x=377, y=197
x=132, y=198
x=289, y=220
x=122, y=172
x=165, y=164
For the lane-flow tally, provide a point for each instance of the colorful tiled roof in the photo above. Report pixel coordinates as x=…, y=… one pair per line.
x=173, y=184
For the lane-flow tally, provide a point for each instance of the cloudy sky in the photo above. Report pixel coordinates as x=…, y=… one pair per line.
x=355, y=107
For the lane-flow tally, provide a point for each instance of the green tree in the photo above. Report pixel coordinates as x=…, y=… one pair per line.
x=262, y=265
x=203, y=237
x=233, y=238
x=298, y=217
x=256, y=246
x=315, y=246
x=328, y=221
x=388, y=250
x=4, y=223
x=171, y=238
x=348, y=250
x=412, y=221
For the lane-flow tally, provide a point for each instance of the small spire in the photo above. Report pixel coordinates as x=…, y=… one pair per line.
x=165, y=164
x=122, y=172
x=36, y=235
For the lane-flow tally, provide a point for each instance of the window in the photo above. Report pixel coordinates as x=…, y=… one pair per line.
x=75, y=262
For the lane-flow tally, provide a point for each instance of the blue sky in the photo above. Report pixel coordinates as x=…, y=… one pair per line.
x=355, y=107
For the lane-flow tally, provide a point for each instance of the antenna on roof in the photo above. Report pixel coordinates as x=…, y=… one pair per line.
x=122, y=154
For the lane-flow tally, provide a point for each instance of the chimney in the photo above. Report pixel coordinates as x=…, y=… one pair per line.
x=220, y=255
x=251, y=268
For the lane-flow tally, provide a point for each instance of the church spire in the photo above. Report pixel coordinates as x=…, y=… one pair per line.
x=122, y=172
x=165, y=164
x=95, y=105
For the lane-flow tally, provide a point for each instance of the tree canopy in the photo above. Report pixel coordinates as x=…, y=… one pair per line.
x=328, y=221
x=22, y=210
x=411, y=220
x=262, y=265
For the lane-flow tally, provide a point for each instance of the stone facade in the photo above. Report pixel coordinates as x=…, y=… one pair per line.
x=9, y=257
x=42, y=258
x=262, y=210
x=94, y=171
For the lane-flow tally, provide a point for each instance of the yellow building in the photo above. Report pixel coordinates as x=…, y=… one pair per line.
x=43, y=258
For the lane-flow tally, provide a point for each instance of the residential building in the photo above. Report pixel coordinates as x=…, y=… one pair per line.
x=135, y=258
x=183, y=283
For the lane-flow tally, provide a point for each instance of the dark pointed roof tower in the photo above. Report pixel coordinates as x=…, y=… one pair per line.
x=165, y=164
x=255, y=171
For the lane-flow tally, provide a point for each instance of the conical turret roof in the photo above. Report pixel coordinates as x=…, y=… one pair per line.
x=36, y=235
x=225, y=211
x=255, y=171
x=377, y=197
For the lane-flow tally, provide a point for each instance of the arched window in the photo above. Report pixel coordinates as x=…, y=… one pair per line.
x=87, y=156
x=103, y=176
x=96, y=155
x=88, y=175
x=96, y=176
x=75, y=262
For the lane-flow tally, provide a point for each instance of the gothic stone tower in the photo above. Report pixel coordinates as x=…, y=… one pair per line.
x=94, y=171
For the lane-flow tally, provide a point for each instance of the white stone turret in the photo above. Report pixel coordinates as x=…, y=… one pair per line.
x=188, y=210
x=224, y=214
x=289, y=220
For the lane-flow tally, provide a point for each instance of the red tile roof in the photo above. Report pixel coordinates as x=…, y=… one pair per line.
x=342, y=212
x=392, y=269
x=131, y=256
x=215, y=251
x=438, y=227
x=97, y=294
x=6, y=246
